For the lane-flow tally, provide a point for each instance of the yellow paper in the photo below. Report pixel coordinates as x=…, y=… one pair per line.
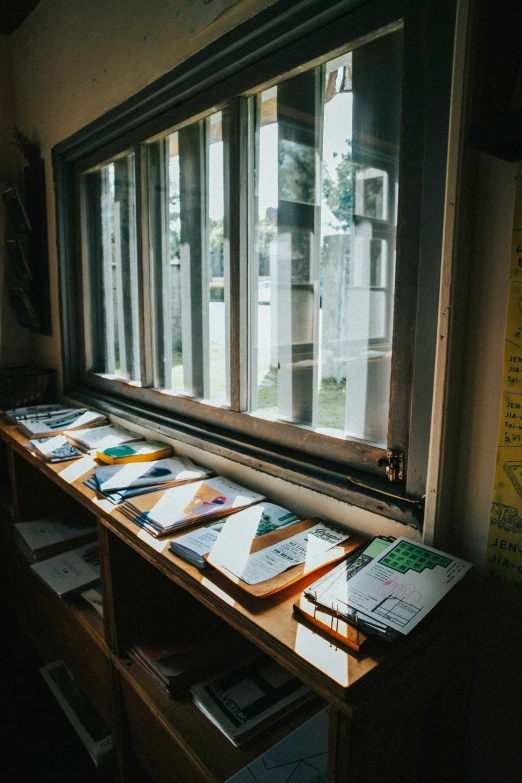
x=504, y=552
x=510, y=432
x=513, y=346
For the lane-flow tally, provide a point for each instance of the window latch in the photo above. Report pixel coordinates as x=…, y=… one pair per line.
x=394, y=463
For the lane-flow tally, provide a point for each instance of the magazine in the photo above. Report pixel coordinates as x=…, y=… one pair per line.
x=93, y=596
x=244, y=699
x=43, y=538
x=55, y=449
x=102, y=437
x=56, y=425
x=71, y=571
x=183, y=506
x=266, y=517
x=14, y=415
x=89, y=726
x=140, y=451
x=116, y=478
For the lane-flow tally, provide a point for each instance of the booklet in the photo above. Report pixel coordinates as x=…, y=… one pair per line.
x=43, y=538
x=93, y=596
x=102, y=437
x=72, y=571
x=400, y=585
x=89, y=726
x=56, y=425
x=14, y=415
x=139, y=451
x=55, y=449
x=242, y=700
x=115, y=478
x=185, y=505
x=195, y=545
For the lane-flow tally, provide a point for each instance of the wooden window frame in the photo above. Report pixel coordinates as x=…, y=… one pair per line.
x=258, y=53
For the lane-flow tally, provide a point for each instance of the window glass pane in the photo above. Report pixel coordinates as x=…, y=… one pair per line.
x=111, y=269
x=189, y=270
x=325, y=185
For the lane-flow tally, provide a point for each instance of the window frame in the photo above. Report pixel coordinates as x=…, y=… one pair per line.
x=222, y=77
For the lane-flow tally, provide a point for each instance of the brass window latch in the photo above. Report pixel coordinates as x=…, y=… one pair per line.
x=394, y=463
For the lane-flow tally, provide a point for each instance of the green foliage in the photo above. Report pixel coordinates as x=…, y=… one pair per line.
x=338, y=191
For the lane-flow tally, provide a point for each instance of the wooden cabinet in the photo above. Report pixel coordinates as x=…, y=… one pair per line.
x=395, y=711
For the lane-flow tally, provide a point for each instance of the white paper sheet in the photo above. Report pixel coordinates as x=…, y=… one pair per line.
x=304, y=547
x=402, y=584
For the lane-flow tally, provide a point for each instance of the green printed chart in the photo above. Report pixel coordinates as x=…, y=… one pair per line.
x=407, y=556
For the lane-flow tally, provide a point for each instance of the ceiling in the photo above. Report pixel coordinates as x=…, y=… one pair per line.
x=13, y=13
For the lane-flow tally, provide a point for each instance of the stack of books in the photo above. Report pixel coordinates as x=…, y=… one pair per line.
x=120, y=482
x=245, y=699
x=163, y=512
x=177, y=665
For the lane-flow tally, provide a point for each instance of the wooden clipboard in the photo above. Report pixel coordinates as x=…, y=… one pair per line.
x=235, y=547
x=330, y=623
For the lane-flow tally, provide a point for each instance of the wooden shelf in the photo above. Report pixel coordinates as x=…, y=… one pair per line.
x=145, y=586
x=183, y=721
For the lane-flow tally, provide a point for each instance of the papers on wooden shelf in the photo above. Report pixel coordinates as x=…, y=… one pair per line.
x=263, y=565
x=55, y=425
x=102, y=437
x=301, y=756
x=394, y=589
x=43, y=538
x=193, y=546
x=71, y=571
x=162, y=512
x=139, y=451
x=55, y=449
x=244, y=699
x=36, y=412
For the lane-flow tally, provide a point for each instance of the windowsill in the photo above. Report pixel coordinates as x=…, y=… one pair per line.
x=308, y=487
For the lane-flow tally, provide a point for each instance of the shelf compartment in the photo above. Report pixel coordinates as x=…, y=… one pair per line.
x=66, y=629
x=168, y=743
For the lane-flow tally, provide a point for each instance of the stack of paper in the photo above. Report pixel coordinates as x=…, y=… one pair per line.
x=246, y=698
x=37, y=412
x=119, y=482
x=43, y=538
x=163, y=512
x=72, y=571
x=54, y=449
x=266, y=517
x=76, y=419
x=101, y=437
x=392, y=589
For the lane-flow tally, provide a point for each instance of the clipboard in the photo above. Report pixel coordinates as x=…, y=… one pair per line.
x=330, y=623
x=237, y=543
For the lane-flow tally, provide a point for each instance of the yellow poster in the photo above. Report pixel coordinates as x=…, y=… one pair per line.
x=504, y=550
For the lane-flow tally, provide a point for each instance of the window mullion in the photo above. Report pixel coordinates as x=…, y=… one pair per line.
x=236, y=246
x=194, y=255
x=144, y=267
